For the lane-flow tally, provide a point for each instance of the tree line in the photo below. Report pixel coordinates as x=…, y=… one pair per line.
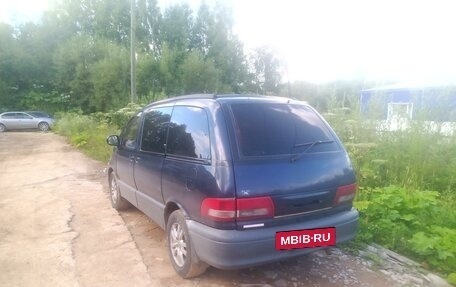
x=78, y=58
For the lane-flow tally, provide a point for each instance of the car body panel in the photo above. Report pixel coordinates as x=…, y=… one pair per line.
x=233, y=249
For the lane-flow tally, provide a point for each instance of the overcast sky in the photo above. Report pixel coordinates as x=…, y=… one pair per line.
x=323, y=40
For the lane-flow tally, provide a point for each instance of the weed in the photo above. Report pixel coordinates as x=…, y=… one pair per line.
x=87, y=134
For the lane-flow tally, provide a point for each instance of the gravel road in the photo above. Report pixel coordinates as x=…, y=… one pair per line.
x=57, y=228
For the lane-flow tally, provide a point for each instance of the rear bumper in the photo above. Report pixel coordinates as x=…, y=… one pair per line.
x=232, y=249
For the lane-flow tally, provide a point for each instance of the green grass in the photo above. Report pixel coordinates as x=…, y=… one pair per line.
x=407, y=184
x=87, y=134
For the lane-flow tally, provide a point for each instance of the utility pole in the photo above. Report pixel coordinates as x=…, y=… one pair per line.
x=132, y=51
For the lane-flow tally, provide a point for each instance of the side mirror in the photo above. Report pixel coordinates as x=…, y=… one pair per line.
x=113, y=140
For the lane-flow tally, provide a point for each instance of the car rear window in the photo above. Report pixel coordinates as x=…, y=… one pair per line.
x=264, y=129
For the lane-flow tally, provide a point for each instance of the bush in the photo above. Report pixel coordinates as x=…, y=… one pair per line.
x=86, y=133
x=89, y=132
x=120, y=118
x=394, y=168
x=416, y=158
x=412, y=222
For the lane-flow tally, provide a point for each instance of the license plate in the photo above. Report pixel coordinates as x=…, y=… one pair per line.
x=305, y=238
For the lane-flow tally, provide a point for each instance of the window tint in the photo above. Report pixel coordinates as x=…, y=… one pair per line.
x=9, y=116
x=279, y=129
x=22, y=116
x=128, y=137
x=189, y=133
x=40, y=114
x=155, y=129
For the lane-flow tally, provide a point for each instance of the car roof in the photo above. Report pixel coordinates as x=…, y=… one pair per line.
x=25, y=112
x=225, y=98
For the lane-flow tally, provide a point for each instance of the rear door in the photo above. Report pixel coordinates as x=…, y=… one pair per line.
x=289, y=153
x=187, y=173
x=26, y=121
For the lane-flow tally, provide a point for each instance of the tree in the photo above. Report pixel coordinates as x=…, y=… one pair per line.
x=202, y=30
x=149, y=86
x=109, y=78
x=148, y=26
x=171, y=70
x=8, y=71
x=93, y=73
x=76, y=57
x=99, y=18
x=225, y=49
x=199, y=75
x=266, y=70
x=176, y=27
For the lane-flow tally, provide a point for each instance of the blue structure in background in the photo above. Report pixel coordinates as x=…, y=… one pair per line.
x=428, y=103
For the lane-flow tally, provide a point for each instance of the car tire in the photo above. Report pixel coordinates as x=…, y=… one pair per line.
x=2, y=128
x=180, y=248
x=117, y=201
x=43, y=126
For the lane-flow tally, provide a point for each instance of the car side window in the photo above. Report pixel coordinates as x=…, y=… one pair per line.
x=23, y=116
x=155, y=129
x=10, y=116
x=129, y=134
x=188, y=134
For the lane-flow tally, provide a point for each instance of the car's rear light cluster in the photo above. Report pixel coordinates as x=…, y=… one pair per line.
x=345, y=193
x=230, y=209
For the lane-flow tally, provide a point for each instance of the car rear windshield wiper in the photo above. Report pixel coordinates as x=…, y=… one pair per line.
x=310, y=145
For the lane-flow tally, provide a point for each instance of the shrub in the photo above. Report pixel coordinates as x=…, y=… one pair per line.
x=120, y=118
x=412, y=222
x=86, y=133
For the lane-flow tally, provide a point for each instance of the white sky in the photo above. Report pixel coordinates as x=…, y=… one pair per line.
x=323, y=40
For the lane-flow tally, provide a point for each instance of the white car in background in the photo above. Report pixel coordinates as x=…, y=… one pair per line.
x=25, y=120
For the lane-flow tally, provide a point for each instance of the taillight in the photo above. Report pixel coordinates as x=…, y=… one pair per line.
x=345, y=193
x=220, y=209
x=229, y=209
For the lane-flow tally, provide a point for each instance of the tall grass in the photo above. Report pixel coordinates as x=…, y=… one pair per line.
x=417, y=157
x=407, y=184
x=86, y=133
x=89, y=132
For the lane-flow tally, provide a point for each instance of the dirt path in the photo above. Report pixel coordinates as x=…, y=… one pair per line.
x=57, y=228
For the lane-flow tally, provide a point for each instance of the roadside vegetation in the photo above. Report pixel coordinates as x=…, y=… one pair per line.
x=88, y=132
x=407, y=184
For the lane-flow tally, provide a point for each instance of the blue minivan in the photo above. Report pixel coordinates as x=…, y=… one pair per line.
x=235, y=180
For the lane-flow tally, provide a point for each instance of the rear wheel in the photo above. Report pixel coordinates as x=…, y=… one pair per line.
x=2, y=128
x=117, y=201
x=180, y=248
x=43, y=126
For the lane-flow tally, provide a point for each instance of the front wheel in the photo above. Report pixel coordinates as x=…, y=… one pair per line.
x=180, y=249
x=117, y=201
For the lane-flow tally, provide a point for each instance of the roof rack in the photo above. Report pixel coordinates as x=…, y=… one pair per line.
x=215, y=96
x=185, y=97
